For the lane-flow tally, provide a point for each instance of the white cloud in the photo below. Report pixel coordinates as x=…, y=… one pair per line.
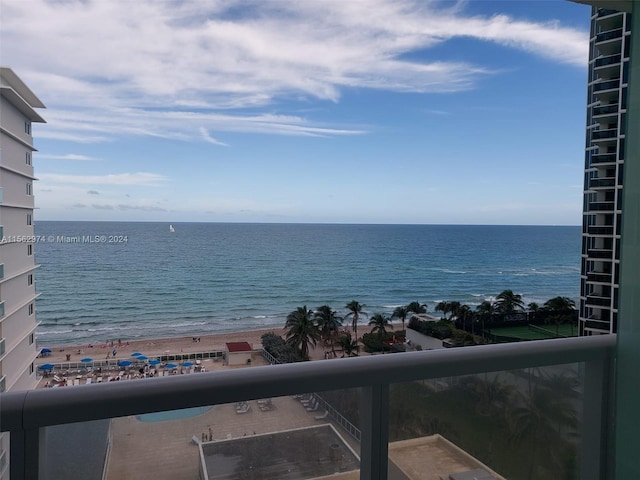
x=140, y=178
x=210, y=139
x=68, y=156
x=170, y=69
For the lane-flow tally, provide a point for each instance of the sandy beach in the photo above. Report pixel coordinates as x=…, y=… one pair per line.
x=153, y=347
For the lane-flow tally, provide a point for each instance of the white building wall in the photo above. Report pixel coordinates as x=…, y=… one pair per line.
x=14, y=121
x=14, y=187
x=14, y=155
x=17, y=283
x=15, y=257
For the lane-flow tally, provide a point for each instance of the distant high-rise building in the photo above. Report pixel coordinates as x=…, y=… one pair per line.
x=604, y=165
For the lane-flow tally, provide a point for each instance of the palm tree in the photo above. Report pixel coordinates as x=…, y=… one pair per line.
x=454, y=308
x=464, y=313
x=417, y=307
x=509, y=302
x=328, y=323
x=400, y=313
x=533, y=308
x=559, y=304
x=348, y=345
x=485, y=311
x=380, y=322
x=355, y=310
x=301, y=331
x=444, y=307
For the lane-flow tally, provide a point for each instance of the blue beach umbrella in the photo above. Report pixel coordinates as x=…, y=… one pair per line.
x=45, y=350
x=187, y=364
x=171, y=365
x=87, y=360
x=136, y=354
x=155, y=362
x=124, y=363
x=142, y=358
x=46, y=366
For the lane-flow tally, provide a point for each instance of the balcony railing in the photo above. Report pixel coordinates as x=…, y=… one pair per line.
x=598, y=301
x=601, y=207
x=602, y=134
x=608, y=85
x=605, y=109
x=600, y=253
x=609, y=60
x=27, y=414
x=610, y=35
x=602, y=182
x=600, y=230
x=603, y=158
x=599, y=277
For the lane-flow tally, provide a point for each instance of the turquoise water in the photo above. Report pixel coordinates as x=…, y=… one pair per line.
x=216, y=277
x=172, y=414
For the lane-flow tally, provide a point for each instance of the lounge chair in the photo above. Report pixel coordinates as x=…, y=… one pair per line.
x=88, y=381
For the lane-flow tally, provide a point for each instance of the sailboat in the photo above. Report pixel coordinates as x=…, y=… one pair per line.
x=171, y=229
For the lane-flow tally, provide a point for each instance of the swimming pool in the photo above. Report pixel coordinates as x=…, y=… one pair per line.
x=172, y=414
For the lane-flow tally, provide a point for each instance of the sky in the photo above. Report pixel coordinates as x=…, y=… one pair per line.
x=315, y=111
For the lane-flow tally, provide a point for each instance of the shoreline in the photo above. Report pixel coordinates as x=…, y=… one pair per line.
x=155, y=347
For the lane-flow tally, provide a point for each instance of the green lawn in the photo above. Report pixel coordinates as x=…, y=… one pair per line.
x=536, y=333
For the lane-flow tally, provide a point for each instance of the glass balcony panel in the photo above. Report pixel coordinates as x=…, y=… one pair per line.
x=610, y=35
x=301, y=436
x=602, y=182
x=603, y=158
x=609, y=60
x=598, y=134
x=605, y=110
x=509, y=424
x=611, y=84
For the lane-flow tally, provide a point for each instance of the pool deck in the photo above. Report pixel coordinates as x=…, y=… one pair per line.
x=165, y=450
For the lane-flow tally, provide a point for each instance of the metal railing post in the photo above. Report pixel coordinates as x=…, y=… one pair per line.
x=374, y=427
x=596, y=431
x=25, y=454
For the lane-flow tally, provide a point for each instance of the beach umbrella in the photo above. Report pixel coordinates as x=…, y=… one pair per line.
x=87, y=360
x=45, y=350
x=171, y=365
x=142, y=358
x=155, y=362
x=136, y=354
x=187, y=364
x=46, y=366
x=124, y=363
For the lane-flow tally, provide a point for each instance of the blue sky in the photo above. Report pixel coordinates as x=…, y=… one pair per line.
x=380, y=111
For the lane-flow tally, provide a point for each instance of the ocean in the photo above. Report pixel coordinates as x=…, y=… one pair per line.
x=103, y=281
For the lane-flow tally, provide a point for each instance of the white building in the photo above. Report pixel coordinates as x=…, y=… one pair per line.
x=17, y=264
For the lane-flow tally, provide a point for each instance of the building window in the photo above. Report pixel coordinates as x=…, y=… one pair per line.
x=31, y=339
x=29, y=250
x=27, y=128
x=29, y=219
x=31, y=369
x=30, y=279
x=27, y=158
x=31, y=309
x=28, y=189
